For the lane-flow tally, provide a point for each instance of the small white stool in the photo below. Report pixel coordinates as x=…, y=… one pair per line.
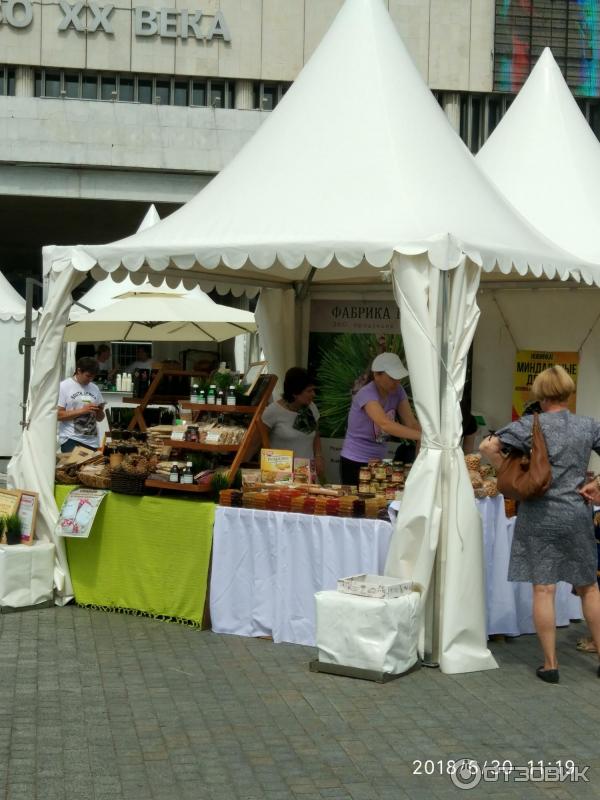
x=26, y=575
x=366, y=637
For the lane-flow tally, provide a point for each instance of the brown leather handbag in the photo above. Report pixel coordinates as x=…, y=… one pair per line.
x=522, y=476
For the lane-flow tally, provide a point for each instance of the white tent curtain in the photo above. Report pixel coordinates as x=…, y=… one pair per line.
x=276, y=319
x=33, y=464
x=11, y=392
x=439, y=478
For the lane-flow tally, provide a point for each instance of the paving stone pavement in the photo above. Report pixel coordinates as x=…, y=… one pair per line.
x=100, y=706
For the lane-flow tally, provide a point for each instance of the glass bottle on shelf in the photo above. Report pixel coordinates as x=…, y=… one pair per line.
x=231, y=396
x=195, y=391
x=211, y=397
x=187, y=476
x=174, y=476
x=201, y=397
x=220, y=397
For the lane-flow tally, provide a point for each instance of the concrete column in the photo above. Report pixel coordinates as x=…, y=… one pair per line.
x=24, y=82
x=244, y=95
x=451, y=105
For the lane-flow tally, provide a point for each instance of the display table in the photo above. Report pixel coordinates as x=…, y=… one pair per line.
x=267, y=566
x=148, y=554
x=26, y=574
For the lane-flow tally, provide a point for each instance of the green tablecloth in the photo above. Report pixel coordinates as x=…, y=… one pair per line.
x=148, y=554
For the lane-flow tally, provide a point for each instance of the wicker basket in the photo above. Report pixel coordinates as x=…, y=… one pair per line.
x=93, y=480
x=123, y=483
x=65, y=477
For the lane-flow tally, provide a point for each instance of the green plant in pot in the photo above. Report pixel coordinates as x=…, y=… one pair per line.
x=12, y=524
x=222, y=380
x=219, y=482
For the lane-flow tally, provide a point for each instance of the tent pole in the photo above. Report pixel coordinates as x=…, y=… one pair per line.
x=26, y=344
x=433, y=608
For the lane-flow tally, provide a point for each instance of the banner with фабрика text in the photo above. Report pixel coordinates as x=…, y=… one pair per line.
x=529, y=364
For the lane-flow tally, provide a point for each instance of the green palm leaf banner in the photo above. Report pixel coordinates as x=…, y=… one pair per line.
x=341, y=363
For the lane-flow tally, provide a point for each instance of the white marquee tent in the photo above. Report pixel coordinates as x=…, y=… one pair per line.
x=341, y=191
x=12, y=327
x=545, y=159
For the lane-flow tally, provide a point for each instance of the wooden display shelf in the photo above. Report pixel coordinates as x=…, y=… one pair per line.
x=256, y=434
x=195, y=488
x=157, y=400
x=202, y=446
x=215, y=409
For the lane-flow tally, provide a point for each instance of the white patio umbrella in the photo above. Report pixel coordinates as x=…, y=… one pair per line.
x=159, y=316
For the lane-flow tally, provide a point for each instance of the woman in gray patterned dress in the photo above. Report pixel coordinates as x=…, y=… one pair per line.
x=554, y=534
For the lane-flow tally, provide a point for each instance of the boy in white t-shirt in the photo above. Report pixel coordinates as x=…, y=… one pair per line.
x=80, y=408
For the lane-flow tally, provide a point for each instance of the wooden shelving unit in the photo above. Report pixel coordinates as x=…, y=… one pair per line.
x=256, y=434
x=195, y=488
x=153, y=398
x=202, y=446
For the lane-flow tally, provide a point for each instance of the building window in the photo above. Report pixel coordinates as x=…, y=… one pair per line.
x=7, y=81
x=108, y=87
x=162, y=91
x=126, y=89
x=268, y=95
x=72, y=84
x=479, y=115
x=144, y=90
x=52, y=87
x=217, y=94
x=199, y=93
x=181, y=90
x=89, y=87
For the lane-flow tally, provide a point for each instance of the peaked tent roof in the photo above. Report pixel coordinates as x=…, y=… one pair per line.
x=12, y=305
x=357, y=161
x=545, y=159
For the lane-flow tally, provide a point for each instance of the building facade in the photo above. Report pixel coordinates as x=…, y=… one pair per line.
x=105, y=107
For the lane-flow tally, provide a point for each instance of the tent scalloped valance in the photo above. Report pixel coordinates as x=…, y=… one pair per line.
x=444, y=252
x=175, y=281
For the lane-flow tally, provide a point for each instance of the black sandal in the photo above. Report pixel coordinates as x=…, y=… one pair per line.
x=551, y=675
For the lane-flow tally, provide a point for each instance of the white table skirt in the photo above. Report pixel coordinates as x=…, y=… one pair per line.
x=267, y=566
x=509, y=605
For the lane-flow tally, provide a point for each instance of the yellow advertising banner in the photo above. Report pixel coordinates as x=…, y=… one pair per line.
x=529, y=364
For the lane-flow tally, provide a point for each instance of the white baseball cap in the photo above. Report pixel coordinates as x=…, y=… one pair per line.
x=390, y=364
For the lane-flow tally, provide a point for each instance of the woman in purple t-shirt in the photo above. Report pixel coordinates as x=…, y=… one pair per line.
x=372, y=417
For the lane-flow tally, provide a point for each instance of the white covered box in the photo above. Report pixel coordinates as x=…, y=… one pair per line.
x=367, y=633
x=380, y=586
x=26, y=574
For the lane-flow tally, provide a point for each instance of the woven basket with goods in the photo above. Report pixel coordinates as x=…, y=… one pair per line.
x=66, y=476
x=96, y=476
x=122, y=483
x=130, y=476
